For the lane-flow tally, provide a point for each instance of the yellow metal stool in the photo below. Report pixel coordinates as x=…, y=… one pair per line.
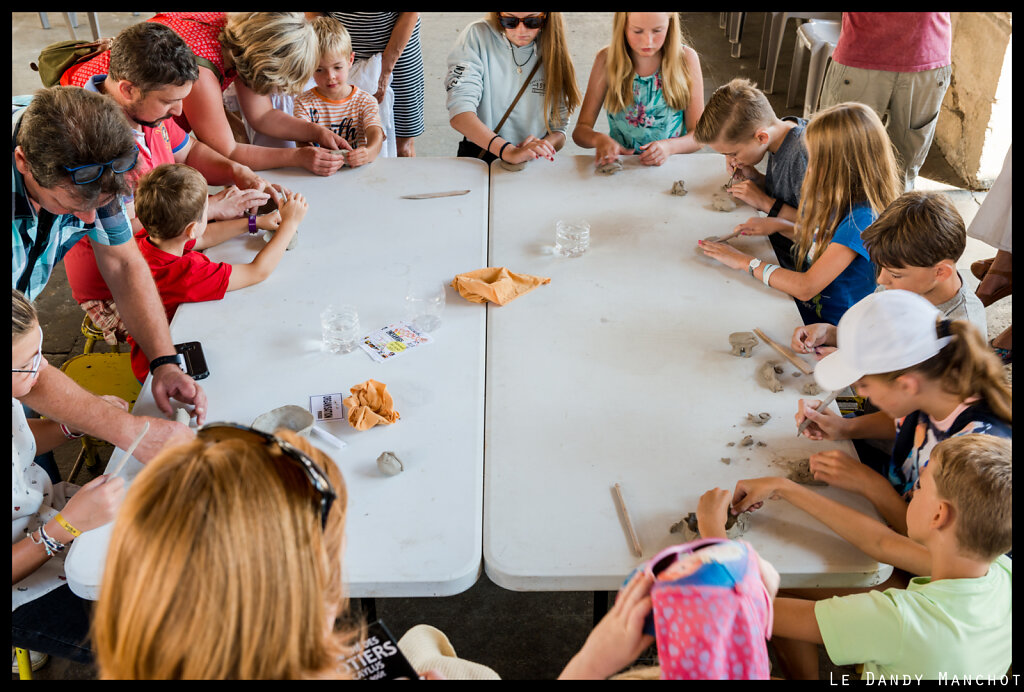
x=93, y=334
x=24, y=664
x=101, y=373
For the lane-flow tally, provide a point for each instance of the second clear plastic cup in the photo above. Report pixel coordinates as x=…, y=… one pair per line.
x=340, y=327
x=424, y=303
x=572, y=238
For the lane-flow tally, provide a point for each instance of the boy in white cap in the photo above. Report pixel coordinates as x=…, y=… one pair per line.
x=935, y=378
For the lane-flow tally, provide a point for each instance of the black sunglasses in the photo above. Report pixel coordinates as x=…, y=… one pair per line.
x=90, y=172
x=218, y=432
x=529, y=22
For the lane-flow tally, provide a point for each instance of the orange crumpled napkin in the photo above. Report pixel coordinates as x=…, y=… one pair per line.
x=495, y=284
x=369, y=405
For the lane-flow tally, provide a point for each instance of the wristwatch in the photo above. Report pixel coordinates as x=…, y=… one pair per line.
x=754, y=264
x=253, y=228
x=164, y=360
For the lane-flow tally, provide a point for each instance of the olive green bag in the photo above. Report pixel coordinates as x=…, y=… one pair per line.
x=56, y=58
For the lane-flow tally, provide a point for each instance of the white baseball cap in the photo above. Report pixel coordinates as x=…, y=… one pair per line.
x=884, y=332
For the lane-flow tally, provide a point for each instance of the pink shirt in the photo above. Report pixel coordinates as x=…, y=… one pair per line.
x=894, y=41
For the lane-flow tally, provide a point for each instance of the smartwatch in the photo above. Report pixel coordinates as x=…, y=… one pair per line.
x=754, y=264
x=164, y=360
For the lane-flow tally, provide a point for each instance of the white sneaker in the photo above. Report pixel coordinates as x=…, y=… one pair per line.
x=38, y=660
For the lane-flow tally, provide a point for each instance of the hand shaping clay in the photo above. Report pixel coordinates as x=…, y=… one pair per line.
x=267, y=235
x=759, y=418
x=679, y=188
x=768, y=376
x=610, y=168
x=735, y=526
x=742, y=343
x=514, y=167
x=389, y=464
x=723, y=201
x=798, y=470
x=811, y=388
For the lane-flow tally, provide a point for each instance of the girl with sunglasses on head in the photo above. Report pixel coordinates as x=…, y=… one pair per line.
x=45, y=517
x=512, y=86
x=651, y=87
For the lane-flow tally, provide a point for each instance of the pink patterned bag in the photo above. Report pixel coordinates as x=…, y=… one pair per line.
x=711, y=611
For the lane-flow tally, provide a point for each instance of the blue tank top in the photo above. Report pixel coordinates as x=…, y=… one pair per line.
x=649, y=118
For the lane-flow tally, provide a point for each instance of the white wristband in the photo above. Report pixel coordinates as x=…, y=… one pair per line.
x=768, y=270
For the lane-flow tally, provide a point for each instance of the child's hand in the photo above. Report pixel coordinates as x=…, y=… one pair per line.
x=741, y=171
x=609, y=150
x=654, y=154
x=294, y=208
x=757, y=225
x=358, y=157
x=748, y=191
x=826, y=425
x=95, y=503
x=809, y=336
x=840, y=470
x=725, y=253
x=269, y=222
x=529, y=149
x=712, y=512
x=750, y=494
x=769, y=575
x=618, y=639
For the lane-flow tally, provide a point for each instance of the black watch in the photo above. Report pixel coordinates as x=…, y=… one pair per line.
x=164, y=360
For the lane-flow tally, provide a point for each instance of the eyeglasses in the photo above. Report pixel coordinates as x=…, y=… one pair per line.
x=37, y=358
x=534, y=22
x=90, y=172
x=218, y=432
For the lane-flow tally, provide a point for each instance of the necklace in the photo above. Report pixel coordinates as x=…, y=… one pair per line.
x=519, y=67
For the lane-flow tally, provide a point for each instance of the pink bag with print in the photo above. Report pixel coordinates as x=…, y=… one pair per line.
x=711, y=611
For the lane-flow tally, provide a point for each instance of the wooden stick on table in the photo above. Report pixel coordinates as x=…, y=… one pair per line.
x=785, y=352
x=637, y=550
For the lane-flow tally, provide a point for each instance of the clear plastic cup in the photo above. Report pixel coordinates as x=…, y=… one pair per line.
x=572, y=238
x=340, y=327
x=424, y=303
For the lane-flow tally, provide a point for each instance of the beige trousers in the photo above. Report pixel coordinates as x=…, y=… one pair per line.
x=907, y=102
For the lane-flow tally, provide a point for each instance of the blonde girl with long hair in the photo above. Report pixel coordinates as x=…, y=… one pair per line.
x=933, y=377
x=851, y=178
x=489, y=64
x=650, y=85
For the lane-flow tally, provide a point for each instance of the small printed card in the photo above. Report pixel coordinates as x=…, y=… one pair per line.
x=393, y=340
x=379, y=657
x=327, y=407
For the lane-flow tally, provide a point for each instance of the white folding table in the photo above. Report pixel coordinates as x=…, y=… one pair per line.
x=417, y=533
x=620, y=370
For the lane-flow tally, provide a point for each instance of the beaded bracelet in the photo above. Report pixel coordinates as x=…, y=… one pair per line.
x=767, y=272
x=52, y=544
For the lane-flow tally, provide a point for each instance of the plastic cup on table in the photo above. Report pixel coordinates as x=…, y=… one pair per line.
x=424, y=303
x=340, y=326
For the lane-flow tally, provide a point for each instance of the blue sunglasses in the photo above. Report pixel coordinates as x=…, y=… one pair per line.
x=91, y=172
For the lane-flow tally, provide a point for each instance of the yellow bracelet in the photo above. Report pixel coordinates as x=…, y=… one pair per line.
x=67, y=526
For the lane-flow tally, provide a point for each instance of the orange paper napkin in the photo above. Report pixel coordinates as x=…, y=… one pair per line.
x=495, y=284
x=369, y=405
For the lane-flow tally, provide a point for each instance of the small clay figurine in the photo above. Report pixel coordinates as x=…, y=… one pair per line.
x=679, y=188
x=610, y=168
x=742, y=343
x=723, y=201
x=389, y=464
x=811, y=388
x=760, y=418
x=767, y=374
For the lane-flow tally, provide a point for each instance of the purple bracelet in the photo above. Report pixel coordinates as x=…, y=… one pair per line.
x=253, y=229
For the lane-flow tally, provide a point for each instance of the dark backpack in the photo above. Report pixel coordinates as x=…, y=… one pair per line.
x=56, y=58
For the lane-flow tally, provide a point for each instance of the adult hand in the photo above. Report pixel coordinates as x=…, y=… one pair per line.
x=751, y=493
x=726, y=254
x=827, y=425
x=319, y=160
x=749, y=192
x=171, y=381
x=809, y=336
x=609, y=150
x=618, y=639
x=233, y=202
x=382, y=84
x=840, y=470
x=654, y=153
x=95, y=503
x=329, y=139
x=712, y=512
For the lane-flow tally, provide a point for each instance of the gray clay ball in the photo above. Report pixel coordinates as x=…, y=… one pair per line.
x=389, y=464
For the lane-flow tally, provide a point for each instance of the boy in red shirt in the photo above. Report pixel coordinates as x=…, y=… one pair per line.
x=171, y=202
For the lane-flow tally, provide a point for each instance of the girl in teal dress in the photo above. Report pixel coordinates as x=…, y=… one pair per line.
x=650, y=85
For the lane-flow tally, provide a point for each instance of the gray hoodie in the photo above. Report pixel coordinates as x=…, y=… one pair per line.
x=483, y=78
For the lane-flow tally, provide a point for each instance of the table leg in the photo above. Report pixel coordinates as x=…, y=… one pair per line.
x=600, y=605
x=369, y=608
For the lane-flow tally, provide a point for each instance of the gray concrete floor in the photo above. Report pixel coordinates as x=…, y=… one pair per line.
x=520, y=635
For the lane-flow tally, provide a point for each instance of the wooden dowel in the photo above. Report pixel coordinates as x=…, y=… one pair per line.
x=786, y=353
x=128, y=452
x=637, y=550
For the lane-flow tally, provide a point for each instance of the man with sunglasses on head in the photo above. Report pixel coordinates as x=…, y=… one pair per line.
x=71, y=151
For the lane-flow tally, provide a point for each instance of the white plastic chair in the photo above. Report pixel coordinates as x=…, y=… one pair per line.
x=820, y=38
x=771, y=40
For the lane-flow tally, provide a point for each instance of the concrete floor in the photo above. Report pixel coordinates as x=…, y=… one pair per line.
x=520, y=635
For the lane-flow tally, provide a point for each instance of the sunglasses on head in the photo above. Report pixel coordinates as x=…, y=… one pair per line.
x=36, y=358
x=534, y=22
x=91, y=172
x=218, y=432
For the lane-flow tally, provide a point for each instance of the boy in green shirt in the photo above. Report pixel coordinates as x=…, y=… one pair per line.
x=958, y=621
